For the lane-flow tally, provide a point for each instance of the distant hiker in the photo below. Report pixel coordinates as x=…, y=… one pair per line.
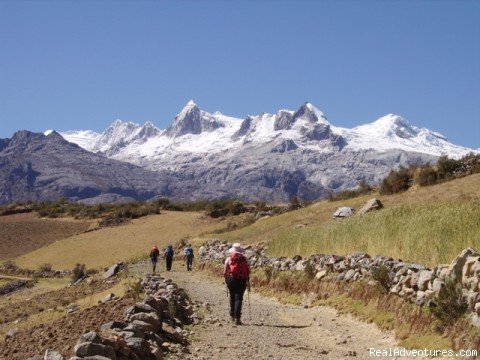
x=154, y=256
x=188, y=251
x=237, y=278
x=169, y=257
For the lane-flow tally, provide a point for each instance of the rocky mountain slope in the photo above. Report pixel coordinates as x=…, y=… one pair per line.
x=269, y=157
x=40, y=167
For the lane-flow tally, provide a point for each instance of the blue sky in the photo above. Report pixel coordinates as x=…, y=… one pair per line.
x=80, y=65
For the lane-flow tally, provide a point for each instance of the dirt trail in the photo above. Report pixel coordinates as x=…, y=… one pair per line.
x=274, y=331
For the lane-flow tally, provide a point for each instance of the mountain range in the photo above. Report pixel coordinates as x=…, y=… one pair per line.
x=269, y=157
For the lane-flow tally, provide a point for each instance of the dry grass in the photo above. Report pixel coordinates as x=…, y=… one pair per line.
x=429, y=234
x=428, y=224
x=21, y=233
x=42, y=286
x=103, y=247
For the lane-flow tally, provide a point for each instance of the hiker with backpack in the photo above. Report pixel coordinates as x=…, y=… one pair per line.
x=169, y=257
x=237, y=277
x=188, y=251
x=154, y=257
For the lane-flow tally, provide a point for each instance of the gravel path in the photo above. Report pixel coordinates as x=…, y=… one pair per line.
x=274, y=330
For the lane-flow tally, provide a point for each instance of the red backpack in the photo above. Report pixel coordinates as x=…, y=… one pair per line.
x=239, y=267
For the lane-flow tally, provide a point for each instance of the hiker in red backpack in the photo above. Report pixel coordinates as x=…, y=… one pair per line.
x=237, y=278
x=154, y=257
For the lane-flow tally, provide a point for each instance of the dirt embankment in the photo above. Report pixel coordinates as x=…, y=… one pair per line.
x=22, y=233
x=21, y=309
x=62, y=334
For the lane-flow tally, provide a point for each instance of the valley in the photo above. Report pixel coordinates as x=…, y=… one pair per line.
x=309, y=333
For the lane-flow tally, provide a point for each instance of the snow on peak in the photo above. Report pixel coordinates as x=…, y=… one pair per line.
x=190, y=105
x=319, y=114
x=196, y=131
x=311, y=114
x=83, y=138
x=148, y=124
x=391, y=125
x=392, y=120
x=48, y=132
x=395, y=132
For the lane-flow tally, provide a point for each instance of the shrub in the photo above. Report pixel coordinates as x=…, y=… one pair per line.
x=382, y=275
x=79, y=271
x=260, y=206
x=450, y=304
x=92, y=271
x=426, y=176
x=236, y=208
x=268, y=271
x=9, y=265
x=134, y=290
x=224, y=207
x=310, y=270
x=397, y=181
x=470, y=164
x=45, y=268
x=447, y=167
x=294, y=203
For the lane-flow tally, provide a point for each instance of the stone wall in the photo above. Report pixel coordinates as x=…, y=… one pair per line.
x=413, y=282
x=149, y=329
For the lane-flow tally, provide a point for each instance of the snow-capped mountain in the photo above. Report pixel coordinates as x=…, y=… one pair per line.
x=267, y=156
x=194, y=130
x=395, y=132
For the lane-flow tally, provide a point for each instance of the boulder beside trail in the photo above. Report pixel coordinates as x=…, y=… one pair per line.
x=91, y=349
x=456, y=267
x=343, y=212
x=52, y=355
x=371, y=205
x=112, y=271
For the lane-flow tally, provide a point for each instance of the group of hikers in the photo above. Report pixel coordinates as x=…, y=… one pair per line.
x=236, y=272
x=168, y=255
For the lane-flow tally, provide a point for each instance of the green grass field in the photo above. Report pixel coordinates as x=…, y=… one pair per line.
x=428, y=225
x=429, y=234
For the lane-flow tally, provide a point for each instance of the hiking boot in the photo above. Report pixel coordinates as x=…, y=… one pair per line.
x=238, y=322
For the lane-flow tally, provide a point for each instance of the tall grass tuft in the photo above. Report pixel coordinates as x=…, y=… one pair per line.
x=450, y=304
x=429, y=234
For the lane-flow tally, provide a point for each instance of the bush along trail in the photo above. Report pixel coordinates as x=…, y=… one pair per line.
x=442, y=304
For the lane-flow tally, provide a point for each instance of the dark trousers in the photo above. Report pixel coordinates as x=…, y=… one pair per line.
x=189, y=262
x=236, y=288
x=154, y=263
x=168, y=261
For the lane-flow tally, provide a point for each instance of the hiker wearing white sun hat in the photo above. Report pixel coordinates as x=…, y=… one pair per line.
x=237, y=275
x=236, y=248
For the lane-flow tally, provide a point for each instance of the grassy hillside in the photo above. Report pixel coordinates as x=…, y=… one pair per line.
x=103, y=247
x=21, y=233
x=425, y=224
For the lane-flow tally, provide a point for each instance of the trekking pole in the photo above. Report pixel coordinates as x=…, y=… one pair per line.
x=249, y=307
